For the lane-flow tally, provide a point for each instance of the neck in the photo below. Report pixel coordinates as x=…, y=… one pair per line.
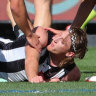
x=55, y=59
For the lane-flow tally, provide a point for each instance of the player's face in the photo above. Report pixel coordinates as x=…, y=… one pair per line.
x=60, y=43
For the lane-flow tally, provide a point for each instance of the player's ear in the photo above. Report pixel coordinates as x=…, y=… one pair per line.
x=70, y=54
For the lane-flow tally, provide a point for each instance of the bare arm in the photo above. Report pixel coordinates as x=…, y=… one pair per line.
x=31, y=62
x=21, y=18
x=10, y=15
x=32, y=58
x=20, y=15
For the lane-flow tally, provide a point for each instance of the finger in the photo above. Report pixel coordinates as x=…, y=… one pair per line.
x=38, y=80
x=35, y=80
x=54, y=80
x=41, y=79
x=55, y=36
x=52, y=30
x=68, y=27
x=38, y=46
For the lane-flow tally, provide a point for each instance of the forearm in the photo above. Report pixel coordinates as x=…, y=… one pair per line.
x=20, y=15
x=30, y=23
x=84, y=10
x=31, y=62
x=31, y=68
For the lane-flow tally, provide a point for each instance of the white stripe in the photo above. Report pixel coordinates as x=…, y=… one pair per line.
x=58, y=75
x=17, y=76
x=5, y=40
x=12, y=55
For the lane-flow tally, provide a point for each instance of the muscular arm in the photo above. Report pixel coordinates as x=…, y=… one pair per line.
x=20, y=15
x=31, y=62
x=10, y=15
x=21, y=18
x=32, y=57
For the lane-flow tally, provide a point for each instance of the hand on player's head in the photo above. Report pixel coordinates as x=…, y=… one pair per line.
x=43, y=35
x=54, y=31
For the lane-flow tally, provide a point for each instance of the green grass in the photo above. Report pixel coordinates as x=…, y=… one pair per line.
x=81, y=88
x=87, y=65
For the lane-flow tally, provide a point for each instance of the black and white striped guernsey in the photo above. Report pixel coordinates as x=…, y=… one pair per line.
x=12, y=61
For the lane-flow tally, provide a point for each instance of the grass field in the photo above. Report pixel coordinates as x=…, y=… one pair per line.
x=81, y=88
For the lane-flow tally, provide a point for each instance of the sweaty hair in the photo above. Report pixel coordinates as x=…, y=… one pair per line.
x=78, y=45
x=80, y=42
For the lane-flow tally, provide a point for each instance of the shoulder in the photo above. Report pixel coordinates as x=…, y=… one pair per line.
x=73, y=75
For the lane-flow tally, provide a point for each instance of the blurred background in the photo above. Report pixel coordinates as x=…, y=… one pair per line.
x=63, y=13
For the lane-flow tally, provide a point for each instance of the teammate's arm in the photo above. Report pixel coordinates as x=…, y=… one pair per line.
x=33, y=56
x=21, y=18
x=31, y=63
